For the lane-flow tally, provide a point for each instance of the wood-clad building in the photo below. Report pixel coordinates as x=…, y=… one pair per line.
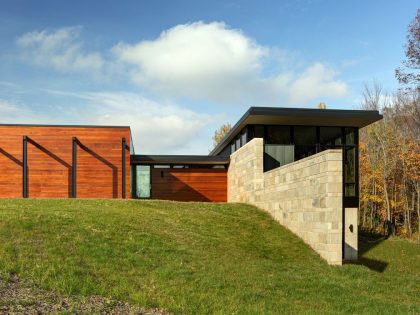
x=64, y=161
x=264, y=145
x=47, y=161
x=180, y=177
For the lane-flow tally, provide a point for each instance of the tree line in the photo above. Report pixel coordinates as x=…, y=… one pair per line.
x=390, y=152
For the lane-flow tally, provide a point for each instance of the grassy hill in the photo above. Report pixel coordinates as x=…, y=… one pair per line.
x=197, y=258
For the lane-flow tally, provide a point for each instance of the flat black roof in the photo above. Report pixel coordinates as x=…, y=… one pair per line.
x=299, y=116
x=179, y=159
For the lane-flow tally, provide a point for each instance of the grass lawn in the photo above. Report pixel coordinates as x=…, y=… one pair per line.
x=197, y=258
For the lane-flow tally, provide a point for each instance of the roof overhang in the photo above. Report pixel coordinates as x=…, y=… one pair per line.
x=299, y=116
x=179, y=159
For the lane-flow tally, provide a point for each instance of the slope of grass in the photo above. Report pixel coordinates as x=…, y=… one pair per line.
x=197, y=258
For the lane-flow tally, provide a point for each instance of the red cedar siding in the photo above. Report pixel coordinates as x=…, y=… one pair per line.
x=190, y=184
x=99, y=170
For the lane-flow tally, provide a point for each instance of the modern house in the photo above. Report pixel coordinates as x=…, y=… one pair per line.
x=300, y=165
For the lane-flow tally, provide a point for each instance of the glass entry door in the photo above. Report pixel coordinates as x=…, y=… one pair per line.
x=143, y=181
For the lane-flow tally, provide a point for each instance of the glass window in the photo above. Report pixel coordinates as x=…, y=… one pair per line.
x=238, y=143
x=277, y=135
x=330, y=136
x=350, y=165
x=350, y=135
x=303, y=151
x=350, y=190
x=305, y=135
x=232, y=147
x=180, y=166
x=258, y=131
x=243, y=137
x=276, y=155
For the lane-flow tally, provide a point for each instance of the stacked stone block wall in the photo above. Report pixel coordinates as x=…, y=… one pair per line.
x=305, y=196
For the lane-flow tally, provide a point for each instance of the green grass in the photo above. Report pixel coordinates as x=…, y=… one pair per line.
x=197, y=258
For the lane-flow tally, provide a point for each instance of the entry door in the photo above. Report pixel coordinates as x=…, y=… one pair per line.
x=143, y=181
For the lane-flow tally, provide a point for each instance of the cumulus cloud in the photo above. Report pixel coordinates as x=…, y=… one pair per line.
x=198, y=61
x=316, y=81
x=61, y=49
x=213, y=61
x=157, y=128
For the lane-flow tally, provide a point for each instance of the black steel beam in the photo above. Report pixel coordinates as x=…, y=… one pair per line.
x=123, y=167
x=74, y=169
x=25, y=167
x=180, y=159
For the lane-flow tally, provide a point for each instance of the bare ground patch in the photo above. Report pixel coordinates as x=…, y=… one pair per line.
x=18, y=297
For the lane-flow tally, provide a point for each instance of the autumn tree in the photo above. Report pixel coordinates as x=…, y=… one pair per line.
x=390, y=164
x=221, y=132
x=408, y=75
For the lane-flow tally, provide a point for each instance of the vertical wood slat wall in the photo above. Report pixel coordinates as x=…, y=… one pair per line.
x=49, y=158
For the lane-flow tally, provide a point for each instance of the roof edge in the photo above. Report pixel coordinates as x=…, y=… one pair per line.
x=277, y=111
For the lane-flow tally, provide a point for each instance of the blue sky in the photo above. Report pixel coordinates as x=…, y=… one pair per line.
x=175, y=70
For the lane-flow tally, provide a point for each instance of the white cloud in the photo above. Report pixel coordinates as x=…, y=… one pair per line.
x=6, y=107
x=199, y=61
x=156, y=128
x=195, y=60
x=16, y=112
x=212, y=61
x=316, y=81
x=60, y=49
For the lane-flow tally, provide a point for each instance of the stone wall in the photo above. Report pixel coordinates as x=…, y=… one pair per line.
x=305, y=196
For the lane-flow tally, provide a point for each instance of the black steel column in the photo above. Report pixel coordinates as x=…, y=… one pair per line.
x=25, y=168
x=74, y=169
x=123, y=168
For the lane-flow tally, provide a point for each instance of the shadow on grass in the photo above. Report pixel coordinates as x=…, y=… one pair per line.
x=368, y=241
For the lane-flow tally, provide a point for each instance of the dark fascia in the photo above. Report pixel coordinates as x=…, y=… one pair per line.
x=299, y=116
x=179, y=159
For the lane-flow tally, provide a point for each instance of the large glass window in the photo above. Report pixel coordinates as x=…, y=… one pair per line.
x=350, y=136
x=277, y=135
x=276, y=155
x=305, y=140
x=304, y=135
x=303, y=151
x=285, y=144
x=330, y=136
x=278, y=150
